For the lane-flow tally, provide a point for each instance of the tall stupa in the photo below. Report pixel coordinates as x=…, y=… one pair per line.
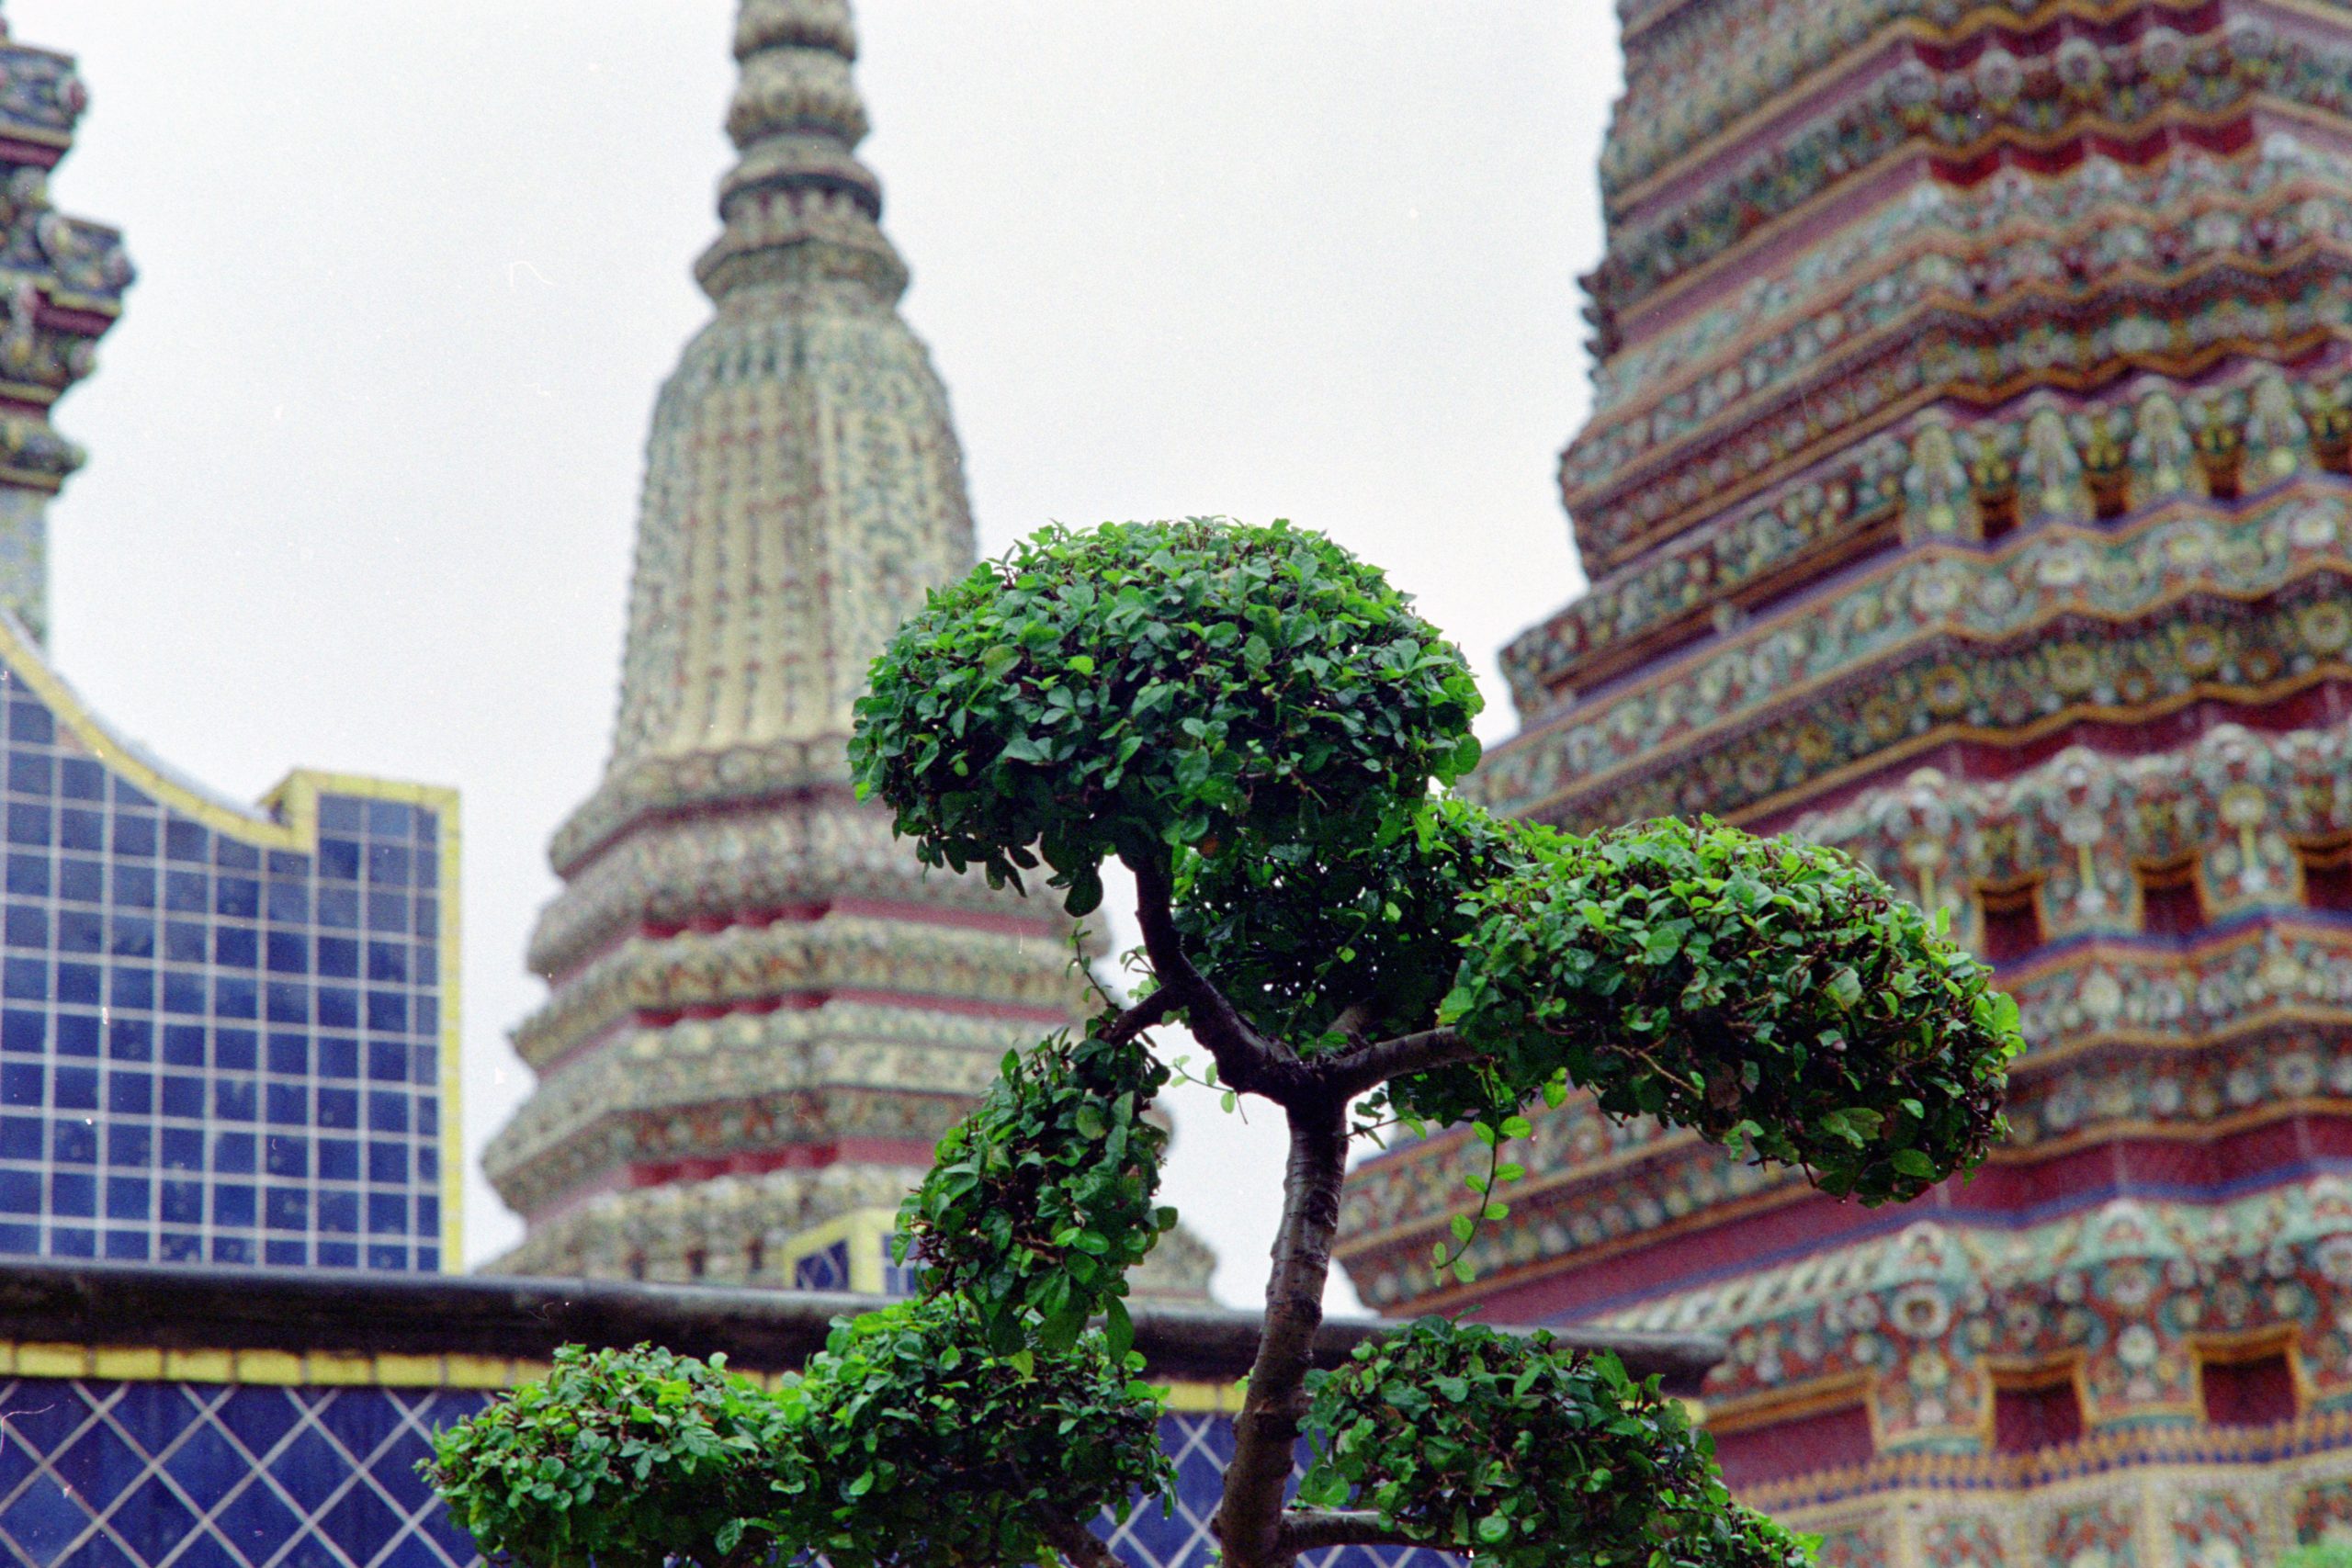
x=763, y=1013
x=1968, y=485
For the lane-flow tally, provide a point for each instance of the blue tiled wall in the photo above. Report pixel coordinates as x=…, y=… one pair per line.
x=212, y=1050
x=190, y=1475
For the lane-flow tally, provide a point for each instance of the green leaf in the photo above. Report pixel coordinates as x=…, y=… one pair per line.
x=1118, y=1329
x=1845, y=988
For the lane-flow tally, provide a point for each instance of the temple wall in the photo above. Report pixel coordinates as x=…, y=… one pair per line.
x=154, y=1416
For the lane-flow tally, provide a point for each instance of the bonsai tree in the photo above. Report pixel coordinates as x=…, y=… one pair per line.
x=1261, y=730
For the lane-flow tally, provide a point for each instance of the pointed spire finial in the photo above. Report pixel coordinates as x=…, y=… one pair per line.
x=798, y=207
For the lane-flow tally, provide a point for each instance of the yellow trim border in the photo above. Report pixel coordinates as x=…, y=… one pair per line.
x=350, y=1368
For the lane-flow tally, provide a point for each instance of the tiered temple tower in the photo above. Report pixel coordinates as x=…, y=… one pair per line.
x=763, y=1011
x=1966, y=487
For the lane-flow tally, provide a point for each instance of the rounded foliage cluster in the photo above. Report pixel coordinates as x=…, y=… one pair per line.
x=906, y=1443
x=1040, y=1201
x=1526, y=1454
x=1151, y=684
x=1752, y=989
x=1302, y=936
x=617, y=1458
x=929, y=1450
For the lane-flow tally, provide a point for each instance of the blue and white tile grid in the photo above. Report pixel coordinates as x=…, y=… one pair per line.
x=211, y=1051
x=189, y=1475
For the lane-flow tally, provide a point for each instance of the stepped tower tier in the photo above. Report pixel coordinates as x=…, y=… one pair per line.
x=763, y=1010
x=1967, y=486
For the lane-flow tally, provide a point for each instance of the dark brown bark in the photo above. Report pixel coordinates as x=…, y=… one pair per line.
x=1362, y=1068
x=1249, y=1522
x=1247, y=1062
x=1152, y=1010
x=1077, y=1544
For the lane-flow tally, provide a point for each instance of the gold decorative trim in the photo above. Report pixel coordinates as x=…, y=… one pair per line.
x=348, y=1369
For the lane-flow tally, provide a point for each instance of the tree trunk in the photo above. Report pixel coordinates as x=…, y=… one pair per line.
x=1249, y=1520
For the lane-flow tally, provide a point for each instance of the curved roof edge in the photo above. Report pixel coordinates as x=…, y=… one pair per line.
x=285, y=818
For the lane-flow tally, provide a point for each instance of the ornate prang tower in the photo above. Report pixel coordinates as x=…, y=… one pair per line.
x=64, y=281
x=1966, y=487
x=764, y=1011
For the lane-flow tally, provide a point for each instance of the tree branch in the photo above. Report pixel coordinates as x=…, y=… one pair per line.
x=1362, y=1068
x=1078, y=1544
x=1247, y=1062
x=1152, y=1010
x=1249, y=1521
x=1351, y=1527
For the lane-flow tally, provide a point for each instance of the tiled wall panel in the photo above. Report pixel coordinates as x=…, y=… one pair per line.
x=106, y=1475
x=213, y=1048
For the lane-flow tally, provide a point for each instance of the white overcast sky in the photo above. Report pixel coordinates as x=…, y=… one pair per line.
x=365, y=448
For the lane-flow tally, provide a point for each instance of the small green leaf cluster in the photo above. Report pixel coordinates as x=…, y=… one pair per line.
x=1040, y=1201
x=1300, y=935
x=1526, y=1455
x=929, y=1450
x=1753, y=990
x=906, y=1443
x=619, y=1458
x=1145, y=684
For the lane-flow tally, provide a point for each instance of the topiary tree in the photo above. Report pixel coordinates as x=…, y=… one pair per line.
x=1257, y=726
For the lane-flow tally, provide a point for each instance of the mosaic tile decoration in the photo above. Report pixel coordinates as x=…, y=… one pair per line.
x=102, y=1475
x=213, y=1049
x=1968, y=485
x=189, y=1476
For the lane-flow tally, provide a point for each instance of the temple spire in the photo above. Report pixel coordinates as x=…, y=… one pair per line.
x=798, y=206
x=763, y=1012
x=804, y=485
